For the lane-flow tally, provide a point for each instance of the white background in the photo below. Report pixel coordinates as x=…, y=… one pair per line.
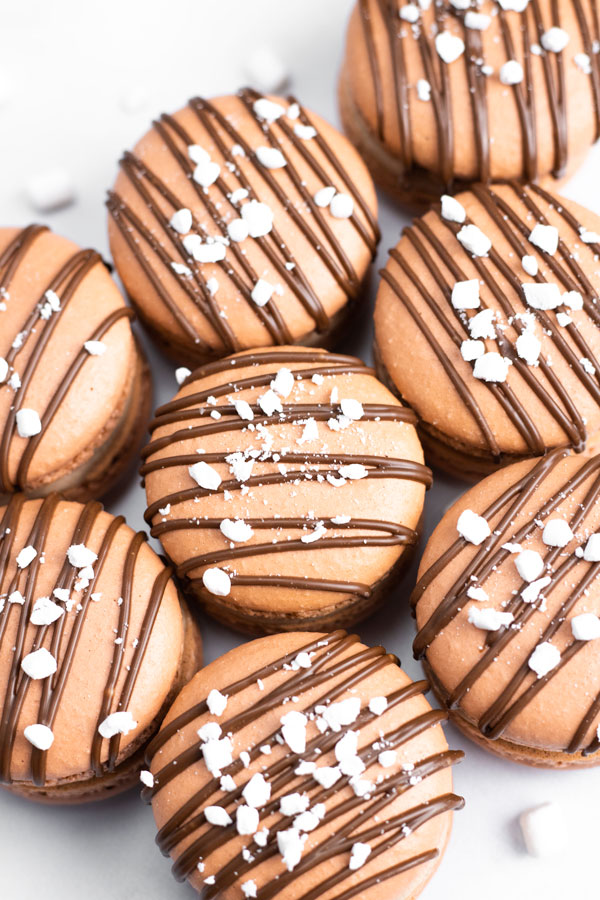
x=65, y=69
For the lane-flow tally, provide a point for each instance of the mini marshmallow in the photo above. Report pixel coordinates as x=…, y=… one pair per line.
x=530, y=265
x=217, y=582
x=3, y=370
x=257, y=792
x=585, y=627
x=452, y=210
x=28, y=423
x=489, y=619
x=449, y=46
x=26, y=556
x=511, y=72
x=258, y=217
x=491, y=367
x=283, y=383
x=238, y=230
x=305, y=132
x=583, y=62
x=147, y=778
x=81, y=556
x=236, y=530
x=45, y=612
x=481, y=325
x=471, y=350
x=50, y=190
x=268, y=109
x=543, y=829
x=262, y=292
x=270, y=403
x=293, y=730
x=472, y=528
x=206, y=173
x=544, y=658
x=41, y=736
x=117, y=723
x=271, y=157
x=324, y=196
x=353, y=471
x=39, y=664
x=358, y=856
x=409, y=13
x=530, y=565
x=478, y=593
x=95, y=348
x=528, y=347
x=573, y=300
x=589, y=237
x=246, y=819
x=424, y=91
x=557, y=533
x=181, y=374
x=465, y=294
x=342, y=206
x=542, y=296
x=554, y=40
x=591, y=552
x=378, y=705
x=352, y=409
x=474, y=240
x=216, y=702
x=266, y=70
x=205, y=476
x=216, y=815
x=545, y=237
x=181, y=221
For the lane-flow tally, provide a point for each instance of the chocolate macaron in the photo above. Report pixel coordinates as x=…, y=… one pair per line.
x=241, y=222
x=303, y=766
x=94, y=645
x=286, y=486
x=487, y=324
x=508, y=611
x=439, y=95
x=75, y=390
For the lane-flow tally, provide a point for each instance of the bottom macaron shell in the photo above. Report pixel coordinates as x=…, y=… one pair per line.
x=234, y=796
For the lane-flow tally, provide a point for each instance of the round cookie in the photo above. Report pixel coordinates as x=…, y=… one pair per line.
x=287, y=487
x=439, y=95
x=304, y=766
x=75, y=389
x=242, y=222
x=486, y=323
x=94, y=645
x=507, y=606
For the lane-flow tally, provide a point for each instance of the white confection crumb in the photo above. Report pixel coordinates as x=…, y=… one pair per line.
x=472, y=527
x=81, y=556
x=530, y=265
x=491, y=367
x=471, y=350
x=452, y=210
x=378, y=705
x=477, y=593
x=557, y=533
x=205, y=476
x=511, y=72
x=45, y=612
x=530, y=565
x=236, y=530
x=41, y=736
x=26, y=555
x=218, y=754
x=246, y=819
x=290, y=843
x=147, y=778
x=39, y=664
x=528, y=347
x=542, y=296
x=181, y=220
x=585, y=627
x=545, y=237
x=293, y=730
x=95, y=348
x=257, y=792
x=554, y=40
x=342, y=206
x=449, y=46
x=544, y=830
x=359, y=855
x=216, y=702
x=271, y=157
x=573, y=300
x=266, y=70
x=216, y=815
x=217, y=582
x=544, y=658
x=28, y=423
x=474, y=240
x=465, y=294
x=181, y=374
x=259, y=218
x=489, y=619
x=324, y=196
x=477, y=21
x=410, y=13
x=117, y=723
x=238, y=230
x=423, y=90
x=262, y=292
x=249, y=888
x=50, y=190
x=591, y=552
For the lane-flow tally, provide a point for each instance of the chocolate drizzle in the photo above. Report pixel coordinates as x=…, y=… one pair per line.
x=179, y=416
x=38, y=330
x=61, y=638
x=531, y=24
x=501, y=514
x=329, y=660
x=161, y=203
x=442, y=260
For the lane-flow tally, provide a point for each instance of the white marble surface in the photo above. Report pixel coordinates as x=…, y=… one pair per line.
x=66, y=68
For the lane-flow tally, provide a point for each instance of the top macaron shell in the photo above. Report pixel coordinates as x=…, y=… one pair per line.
x=42, y=345
x=312, y=260
x=551, y=400
x=477, y=125
x=108, y=647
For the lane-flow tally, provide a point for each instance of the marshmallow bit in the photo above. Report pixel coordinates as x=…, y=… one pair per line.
x=45, y=612
x=489, y=619
x=50, y=190
x=258, y=217
x=514, y=5
x=352, y=409
x=491, y=367
x=530, y=265
x=528, y=347
x=481, y=325
x=244, y=410
x=117, y=723
x=544, y=658
x=181, y=374
x=511, y=73
x=465, y=294
x=206, y=173
x=353, y=471
x=327, y=776
x=197, y=154
x=238, y=230
x=530, y=565
x=204, y=253
x=543, y=829
x=452, y=210
x=181, y=220
x=266, y=70
x=472, y=528
x=216, y=702
x=205, y=476
x=591, y=552
x=3, y=370
x=283, y=383
x=218, y=754
x=293, y=730
x=246, y=819
x=409, y=13
x=573, y=300
x=585, y=627
x=342, y=206
x=542, y=296
x=147, y=778
x=217, y=582
x=26, y=556
x=181, y=269
x=16, y=597
x=534, y=589
x=471, y=350
x=449, y=46
x=270, y=403
x=28, y=423
x=583, y=62
x=338, y=715
x=589, y=237
x=305, y=132
x=41, y=736
x=474, y=240
x=294, y=804
x=39, y=664
x=95, y=348
x=477, y=21
x=249, y=888
x=290, y=844
x=257, y=792
x=477, y=593
x=378, y=705
x=216, y=815
x=268, y=110
x=554, y=40
x=359, y=855
x=271, y=157
x=81, y=556
x=545, y=237
x=210, y=731
x=262, y=292
x=557, y=533
x=324, y=196
x=424, y=91
x=236, y=530
x=387, y=758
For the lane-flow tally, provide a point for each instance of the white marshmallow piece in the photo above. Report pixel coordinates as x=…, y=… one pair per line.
x=117, y=723
x=530, y=565
x=50, y=190
x=342, y=206
x=452, y=210
x=216, y=815
x=216, y=702
x=544, y=830
x=217, y=582
x=528, y=347
x=491, y=367
x=545, y=237
x=271, y=157
x=474, y=240
x=542, y=296
x=544, y=658
x=358, y=856
x=262, y=292
x=554, y=40
x=257, y=792
x=324, y=196
x=181, y=374
x=449, y=46
x=465, y=294
x=95, y=348
x=258, y=217
x=591, y=552
x=26, y=556
x=530, y=265
x=511, y=72
x=41, y=736
x=557, y=533
x=181, y=221
x=28, y=423
x=489, y=619
x=236, y=530
x=268, y=110
x=471, y=350
x=472, y=528
x=39, y=664
x=585, y=627
x=205, y=476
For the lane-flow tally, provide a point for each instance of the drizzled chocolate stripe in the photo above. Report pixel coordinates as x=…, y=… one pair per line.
x=531, y=26
x=368, y=823
x=53, y=636
x=158, y=197
x=522, y=687
x=440, y=257
x=38, y=331
x=306, y=466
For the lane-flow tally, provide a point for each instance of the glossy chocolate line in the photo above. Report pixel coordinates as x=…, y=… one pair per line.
x=504, y=709
x=220, y=130
x=53, y=687
x=530, y=27
x=190, y=816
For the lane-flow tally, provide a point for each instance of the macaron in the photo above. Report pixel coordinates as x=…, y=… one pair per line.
x=240, y=222
x=94, y=646
x=508, y=612
x=75, y=389
x=303, y=766
x=486, y=323
x=437, y=96
x=286, y=486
